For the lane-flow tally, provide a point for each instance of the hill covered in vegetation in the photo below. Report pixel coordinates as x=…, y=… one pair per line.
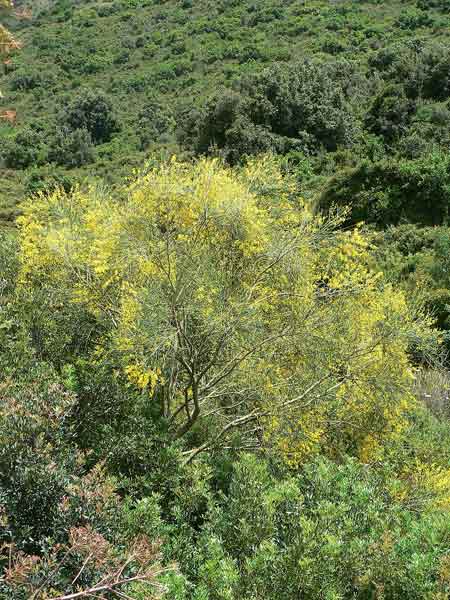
x=98, y=87
x=225, y=300
x=353, y=97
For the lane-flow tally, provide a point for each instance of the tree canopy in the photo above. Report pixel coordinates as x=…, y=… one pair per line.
x=228, y=307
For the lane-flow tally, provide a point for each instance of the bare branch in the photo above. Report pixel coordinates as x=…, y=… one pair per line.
x=111, y=586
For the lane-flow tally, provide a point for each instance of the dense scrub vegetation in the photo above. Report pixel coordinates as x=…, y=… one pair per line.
x=337, y=82
x=223, y=376
x=209, y=392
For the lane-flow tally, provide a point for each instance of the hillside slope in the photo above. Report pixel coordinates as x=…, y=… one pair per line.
x=225, y=375
x=156, y=60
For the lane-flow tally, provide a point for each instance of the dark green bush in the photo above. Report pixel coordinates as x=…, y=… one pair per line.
x=37, y=455
x=25, y=148
x=23, y=81
x=390, y=191
x=92, y=111
x=282, y=108
x=442, y=5
x=437, y=81
x=153, y=121
x=46, y=180
x=414, y=19
x=390, y=114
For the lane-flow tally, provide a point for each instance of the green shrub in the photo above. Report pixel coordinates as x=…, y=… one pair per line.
x=414, y=19
x=442, y=5
x=23, y=81
x=390, y=191
x=71, y=148
x=154, y=120
x=37, y=457
x=390, y=114
x=437, y=81
x=25, y=148
x=92, y=111
x=46, y=180
x=331, y=527
x=286, y=107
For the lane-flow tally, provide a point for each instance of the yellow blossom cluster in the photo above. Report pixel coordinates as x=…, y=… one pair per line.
x=219, y=287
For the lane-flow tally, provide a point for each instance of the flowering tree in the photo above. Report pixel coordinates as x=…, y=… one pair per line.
x=230, y=307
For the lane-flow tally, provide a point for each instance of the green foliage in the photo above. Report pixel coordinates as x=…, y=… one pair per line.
x=92, y=112
x=333, y=528
x=391, y=191
x=390, y=114
x=72, y=148
x=154, y=121
x=295, y=107
x=23, y=149
x=442, y=5
x=417, y=259
x=46, y=180
x=37, y=458
x=150, y=58
x=414, y=19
